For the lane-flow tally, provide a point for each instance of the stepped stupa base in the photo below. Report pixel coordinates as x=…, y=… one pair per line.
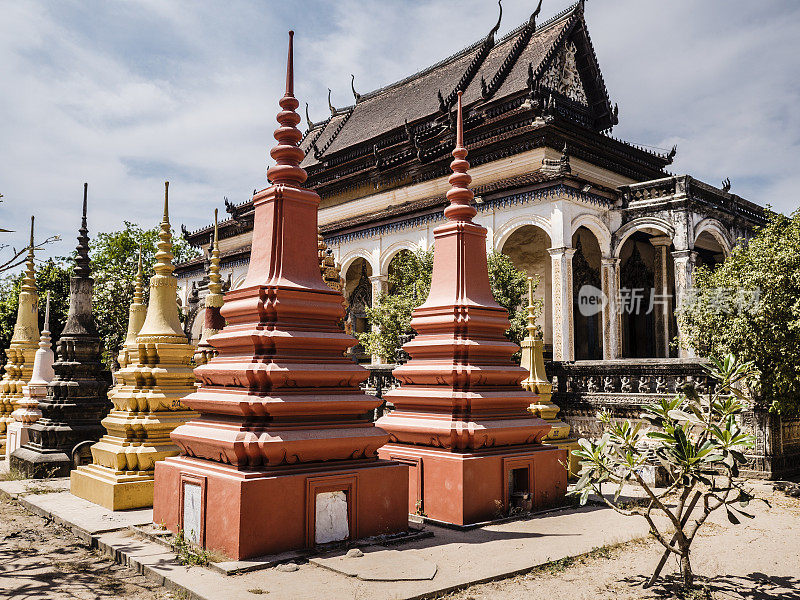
x=41, y=463
x=255, y=512
x=464, y=488
x=115, y=490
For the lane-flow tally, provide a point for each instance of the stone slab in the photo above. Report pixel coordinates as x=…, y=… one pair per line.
x=22, y=487
x=380, y=565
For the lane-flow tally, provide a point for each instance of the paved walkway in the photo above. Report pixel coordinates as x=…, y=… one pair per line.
x=448, y=560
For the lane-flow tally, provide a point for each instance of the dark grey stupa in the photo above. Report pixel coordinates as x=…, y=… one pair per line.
x=77, y=396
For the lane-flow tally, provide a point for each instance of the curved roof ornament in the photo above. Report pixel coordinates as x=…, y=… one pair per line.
x=532, y=20
x=309, y=122
x=494, y=30
x=356, y=95
x=333, y=109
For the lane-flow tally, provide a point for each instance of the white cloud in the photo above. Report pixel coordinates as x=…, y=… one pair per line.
x=126, y=95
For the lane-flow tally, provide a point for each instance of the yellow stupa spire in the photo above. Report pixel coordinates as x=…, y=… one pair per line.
x=162, y=320
x=212, y=302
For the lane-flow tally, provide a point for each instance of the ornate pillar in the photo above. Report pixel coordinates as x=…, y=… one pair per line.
x=684, y=261
x=469, y=436
x=563, y=327
x=662, y=300
x=612, y=317
x=380, y=286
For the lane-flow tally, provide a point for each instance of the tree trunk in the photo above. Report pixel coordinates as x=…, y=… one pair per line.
x=686, y=572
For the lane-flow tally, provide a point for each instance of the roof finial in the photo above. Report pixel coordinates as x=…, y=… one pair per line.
x=493, y=32
x=535, y=14
x=309, y=122
x=726, y=185
x=287, y=154
x=330, y=106
x=460, y=196
x=82, y=259
x=356, y=95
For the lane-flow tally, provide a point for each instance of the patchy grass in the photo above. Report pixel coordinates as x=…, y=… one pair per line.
x=13, y=475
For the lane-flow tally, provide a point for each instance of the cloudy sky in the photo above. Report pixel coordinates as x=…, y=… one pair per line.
x=127, y=94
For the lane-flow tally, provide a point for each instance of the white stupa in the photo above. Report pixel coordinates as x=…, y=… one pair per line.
x=28, y=407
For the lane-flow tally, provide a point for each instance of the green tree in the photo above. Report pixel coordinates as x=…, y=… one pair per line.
x=409, y=282
x=115, y=257
x=750, y=306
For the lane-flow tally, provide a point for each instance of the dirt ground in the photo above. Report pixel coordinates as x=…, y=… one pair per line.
x=40, y=560
x=758, y=560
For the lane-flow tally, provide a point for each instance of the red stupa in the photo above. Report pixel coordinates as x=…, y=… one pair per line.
x=461, y=418
x=284, y=453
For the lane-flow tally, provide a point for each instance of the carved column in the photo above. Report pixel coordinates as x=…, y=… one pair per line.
x=662, y=301
x=612, y=318
x=563, y=329
x=380, y=286
x=684, y=261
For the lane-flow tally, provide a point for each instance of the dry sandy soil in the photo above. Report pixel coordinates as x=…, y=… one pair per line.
x=759, y=560
x=40, y=560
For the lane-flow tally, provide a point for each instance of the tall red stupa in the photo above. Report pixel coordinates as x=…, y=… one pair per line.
x=284, y=453
x=461, y=419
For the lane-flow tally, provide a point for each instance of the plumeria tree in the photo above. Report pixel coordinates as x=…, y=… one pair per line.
x=697, y=439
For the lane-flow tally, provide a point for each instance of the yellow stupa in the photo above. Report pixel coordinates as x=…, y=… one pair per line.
x=22, y=349
x=537, y=382
x=147, y=396
x=212, y=319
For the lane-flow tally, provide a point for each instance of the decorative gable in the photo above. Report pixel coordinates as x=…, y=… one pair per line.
x=563, y=76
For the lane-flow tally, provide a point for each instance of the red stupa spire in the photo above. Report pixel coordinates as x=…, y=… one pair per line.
x=287, y=154
x=460, y=196
x=282, y=416
x=460, y=412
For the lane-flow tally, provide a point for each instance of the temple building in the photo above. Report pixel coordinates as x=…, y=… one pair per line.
x=611, y=234
x=565, y=200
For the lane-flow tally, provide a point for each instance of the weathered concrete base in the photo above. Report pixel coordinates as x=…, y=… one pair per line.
x=41, y=464
x=231, y=515
x=462, y=488
x=115, y=490
x=16, y=436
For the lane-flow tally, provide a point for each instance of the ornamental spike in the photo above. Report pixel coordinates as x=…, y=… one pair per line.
x=460, y=196
x=82, y=269
x=287, y=154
